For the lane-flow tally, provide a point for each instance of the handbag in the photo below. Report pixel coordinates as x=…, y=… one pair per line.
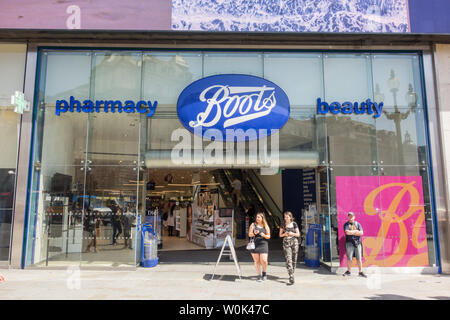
x=251, y=244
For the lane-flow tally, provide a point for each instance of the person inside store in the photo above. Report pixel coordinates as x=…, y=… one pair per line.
x=115, y=221
x=353, y=247
x=76, y=213
x=237, y=185
x=165, y=214
x=290, y=233
x=171, y=219
x=92, y=226
x=127, y=219
x=260, y=232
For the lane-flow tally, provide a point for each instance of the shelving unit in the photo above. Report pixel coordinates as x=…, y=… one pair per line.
x=180, y=221
x=210, y=223
x=203, y=219
x=203, y=234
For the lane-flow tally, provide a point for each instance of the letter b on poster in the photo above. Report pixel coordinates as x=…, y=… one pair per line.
x=392, y=213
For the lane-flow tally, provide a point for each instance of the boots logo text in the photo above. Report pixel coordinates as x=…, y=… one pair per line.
x=233, y=101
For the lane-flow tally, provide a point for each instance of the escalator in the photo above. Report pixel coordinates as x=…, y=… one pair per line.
x=253, y=193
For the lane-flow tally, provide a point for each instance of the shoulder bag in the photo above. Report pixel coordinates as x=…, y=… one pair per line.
x=251, y=244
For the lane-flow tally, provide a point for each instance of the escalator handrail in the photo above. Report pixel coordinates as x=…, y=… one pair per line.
x=270, y=206
x=229, y=178
x=221, y=190
x=276, y=218
x=261, y=185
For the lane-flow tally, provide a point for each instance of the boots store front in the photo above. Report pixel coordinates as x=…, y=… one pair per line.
x=193, y=141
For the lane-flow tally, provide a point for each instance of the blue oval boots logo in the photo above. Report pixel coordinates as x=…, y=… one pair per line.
x=233, y=107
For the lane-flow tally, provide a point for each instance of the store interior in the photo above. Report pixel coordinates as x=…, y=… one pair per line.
x=194, y=209
x=204, y=207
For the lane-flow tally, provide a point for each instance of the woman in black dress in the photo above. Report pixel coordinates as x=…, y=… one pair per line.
x=261, y=232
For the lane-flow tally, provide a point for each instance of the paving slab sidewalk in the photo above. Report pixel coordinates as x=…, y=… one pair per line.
x=192, y=282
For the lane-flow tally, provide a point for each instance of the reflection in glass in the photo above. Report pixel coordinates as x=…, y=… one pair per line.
x=233, y=63
x=289, y=71
x=67, y=74
x=12, y=66
x=5, y=233
x=62, y=141
x=109, y=226
x=9, y=122
x=113, y=138
x=117, y=76
x=300, y=130
x=398, y=73
x=347, y=77
x=401, y=137
x=55, y=230
x=351, y=139
x=397, y=116
x=165, y=75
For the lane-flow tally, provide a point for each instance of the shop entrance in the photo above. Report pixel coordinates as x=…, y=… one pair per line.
x=193, y=210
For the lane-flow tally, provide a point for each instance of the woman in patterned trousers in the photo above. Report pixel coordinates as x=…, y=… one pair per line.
x=290, y=233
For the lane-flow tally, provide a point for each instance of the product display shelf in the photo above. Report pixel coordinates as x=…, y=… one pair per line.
x=181, y=221
x=177, y=221
x=204, y=233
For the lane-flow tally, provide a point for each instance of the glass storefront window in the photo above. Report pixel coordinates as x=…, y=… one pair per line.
x=289, y=71
x=352, y=139
x=66, y=74
x=87, y=165
x=347, y=77
x=12, y=70
x=401, y=137
x=9, y=125
x=166, y=74
x=397, y=80
x=116, y=76
x=234, y=63
x=299, y=133
x=414, y=214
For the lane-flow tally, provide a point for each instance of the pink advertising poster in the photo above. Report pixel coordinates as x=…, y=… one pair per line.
x=391, y=212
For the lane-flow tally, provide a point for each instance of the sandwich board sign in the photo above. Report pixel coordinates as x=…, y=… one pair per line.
x=230, y=252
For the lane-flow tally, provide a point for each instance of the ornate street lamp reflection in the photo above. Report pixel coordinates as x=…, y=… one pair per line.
x=397, y=116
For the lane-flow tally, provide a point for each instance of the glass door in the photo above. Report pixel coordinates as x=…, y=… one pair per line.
x=12, y=64
x=9, y=124
x=58, y=203
x=112, y=173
